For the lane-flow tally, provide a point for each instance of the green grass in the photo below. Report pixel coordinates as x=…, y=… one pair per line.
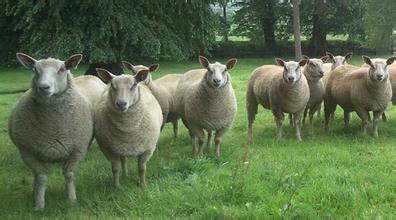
x=338, y=175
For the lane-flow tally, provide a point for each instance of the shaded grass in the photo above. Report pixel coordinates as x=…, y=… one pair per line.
x=341, y=174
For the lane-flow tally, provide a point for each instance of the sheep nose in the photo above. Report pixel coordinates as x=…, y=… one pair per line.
x=121, y=104
x=379, y=77
x=321, y=73
x=44, y=87
x=217, y=81
x=290, y=78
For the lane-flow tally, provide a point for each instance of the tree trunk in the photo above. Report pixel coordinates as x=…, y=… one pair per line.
x=225, y=23
x=268, y=24
x=296, y=30
x=318, y=38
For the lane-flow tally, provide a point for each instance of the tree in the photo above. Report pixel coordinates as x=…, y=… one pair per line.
x=110, y=30
x=296, y=30
x=380, y=23
x=262, y=20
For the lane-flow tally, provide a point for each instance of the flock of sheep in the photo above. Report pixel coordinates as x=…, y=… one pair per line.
x=56, y=120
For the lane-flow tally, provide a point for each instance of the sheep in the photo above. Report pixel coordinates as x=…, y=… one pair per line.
x=361, y=90
x=206, y=101
x=313, y=72
x=328, y=67
x=281, y=89
x=164, y=90
x=392, y=78
x=127, y=122
x=51, y=123
x=91, y=87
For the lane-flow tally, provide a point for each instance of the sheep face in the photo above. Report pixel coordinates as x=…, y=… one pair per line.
x=315, y=69
x=291, y=70
x=217, y=74
x=49, y=75
x=123, y=90
x=339, y=60
x=136, y=68
x=378, y=70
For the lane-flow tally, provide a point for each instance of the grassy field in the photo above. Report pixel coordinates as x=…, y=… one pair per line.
x=338, y=175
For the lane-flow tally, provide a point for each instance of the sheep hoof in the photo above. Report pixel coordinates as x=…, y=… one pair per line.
x=39, y=208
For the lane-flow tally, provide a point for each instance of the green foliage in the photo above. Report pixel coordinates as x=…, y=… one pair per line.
x=109, y=30
x=380, y=22
x=338, y=175
x=252, y=18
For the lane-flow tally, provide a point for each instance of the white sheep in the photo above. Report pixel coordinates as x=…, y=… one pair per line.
x=361, y=90
x=164, y=90
x=51, y=123
x=91, y=87
x=281, y=89
x=206, y=101
x=127, y=122
x=313, y=71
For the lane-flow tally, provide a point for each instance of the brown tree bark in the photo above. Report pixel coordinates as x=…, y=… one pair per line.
x=296, y=30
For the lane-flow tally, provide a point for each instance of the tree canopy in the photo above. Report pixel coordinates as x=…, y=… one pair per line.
x=107, y=30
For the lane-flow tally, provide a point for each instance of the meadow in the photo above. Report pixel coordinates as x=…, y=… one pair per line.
x=342, y=174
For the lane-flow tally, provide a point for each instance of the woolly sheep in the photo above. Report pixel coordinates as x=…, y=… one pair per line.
x=91, y=87
x=361, y=90
x=206, y=101
x=51, y=123
x=280, y=88
x=313, y=72
x=127, y=122
x=392, y=78
x=164, y=90
x=328, y=67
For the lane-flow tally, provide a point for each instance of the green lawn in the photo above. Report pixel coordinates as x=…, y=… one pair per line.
x=338, y=175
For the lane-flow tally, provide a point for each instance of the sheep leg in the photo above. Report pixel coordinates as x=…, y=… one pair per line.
x=116, y=168
x=376, y=115
x=291, y=120
x=347, y=119
x=329, y=109
x=124, y=166
x=175, y=124
x=311, y=122
x=384, y=118
x=251, y=106
x=305, y=115
x=68, y=172
x=197, y=133
x=319, y=109
x=279, y=117
x=297, y=124
x=142, y=160
x=40, y=178
x=219, y=134
x=365, y=116
x=209, y=142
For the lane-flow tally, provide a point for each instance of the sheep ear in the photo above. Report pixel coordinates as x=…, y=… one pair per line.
x=367, y=60
x=390, y=60
x=231, y=63
x=204, y=61
x=305, y=57
x=153, y=67
x=27, y=61
x=348, y=56
x=324, y=58
x=280, y=62
x=141, y=75
x=303, y=62
x=73, y=61
x=330, y=55
x=127, y=65
x=104, y=74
